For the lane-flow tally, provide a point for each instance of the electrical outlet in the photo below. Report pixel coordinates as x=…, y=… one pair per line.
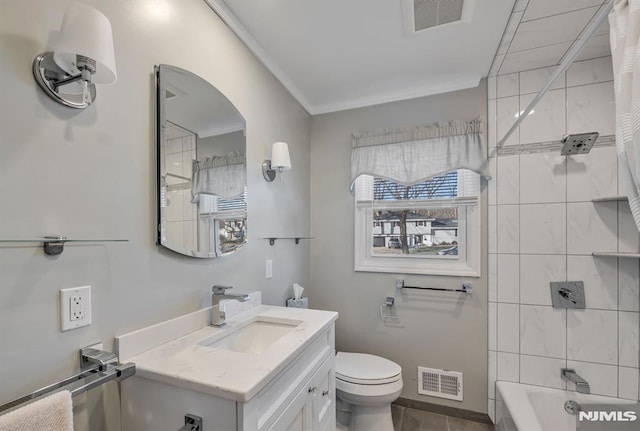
x=75, y=307
x=269, y=269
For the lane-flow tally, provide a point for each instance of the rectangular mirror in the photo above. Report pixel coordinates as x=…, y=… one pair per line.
x=202, y=179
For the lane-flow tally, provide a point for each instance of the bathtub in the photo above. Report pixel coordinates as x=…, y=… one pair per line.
x=535, y=408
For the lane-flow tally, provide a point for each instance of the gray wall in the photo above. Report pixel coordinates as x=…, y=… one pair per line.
x=90, y=174
x=220, y=145
x=440, y=330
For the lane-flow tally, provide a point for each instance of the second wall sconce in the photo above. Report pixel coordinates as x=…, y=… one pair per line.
x=83, y=56
x=280, y=161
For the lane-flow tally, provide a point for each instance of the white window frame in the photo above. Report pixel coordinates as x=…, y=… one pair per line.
x=466, y=264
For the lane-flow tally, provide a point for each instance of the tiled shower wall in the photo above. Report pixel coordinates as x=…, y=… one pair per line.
x=544, y=226
x=180, y=214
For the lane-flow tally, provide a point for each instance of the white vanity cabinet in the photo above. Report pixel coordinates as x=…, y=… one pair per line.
x=300, y=397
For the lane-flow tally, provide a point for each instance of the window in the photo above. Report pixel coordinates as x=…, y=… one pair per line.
x=432, y=227
x=224, y=222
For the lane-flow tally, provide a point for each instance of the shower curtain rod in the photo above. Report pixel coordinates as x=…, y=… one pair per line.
x=564, y=65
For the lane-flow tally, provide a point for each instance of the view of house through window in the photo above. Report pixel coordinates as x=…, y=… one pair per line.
x=403, y=231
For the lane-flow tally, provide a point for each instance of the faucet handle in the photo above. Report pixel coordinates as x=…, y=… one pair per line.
x=219, y=289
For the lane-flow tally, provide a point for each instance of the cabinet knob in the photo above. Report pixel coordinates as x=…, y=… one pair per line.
x=313, y=390
x=326, y=393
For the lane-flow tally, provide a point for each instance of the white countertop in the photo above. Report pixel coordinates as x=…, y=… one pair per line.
x=224, y=373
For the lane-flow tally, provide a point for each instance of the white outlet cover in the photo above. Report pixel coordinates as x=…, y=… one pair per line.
x=66, y=295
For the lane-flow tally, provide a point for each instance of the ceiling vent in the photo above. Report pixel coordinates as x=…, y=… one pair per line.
x=431, y=13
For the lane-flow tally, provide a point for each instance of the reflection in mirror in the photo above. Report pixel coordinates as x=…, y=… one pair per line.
x=202, y=180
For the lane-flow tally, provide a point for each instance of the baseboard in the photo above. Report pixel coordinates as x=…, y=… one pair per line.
x=444, y=410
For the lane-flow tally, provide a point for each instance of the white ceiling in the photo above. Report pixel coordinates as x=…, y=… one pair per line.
x=540, y=32
x=335, y=54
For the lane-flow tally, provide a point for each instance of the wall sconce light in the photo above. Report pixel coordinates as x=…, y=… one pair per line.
x=280, y=161
x=83, y=56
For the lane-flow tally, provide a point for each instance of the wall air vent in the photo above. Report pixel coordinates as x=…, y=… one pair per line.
x=440, y=383
x=431, y=13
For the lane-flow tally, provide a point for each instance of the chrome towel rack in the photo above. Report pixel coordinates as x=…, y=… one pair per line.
x=466, y=288
x=98, y=366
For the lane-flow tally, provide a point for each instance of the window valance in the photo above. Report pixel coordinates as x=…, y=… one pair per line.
x=224, y=176
x=413, y=155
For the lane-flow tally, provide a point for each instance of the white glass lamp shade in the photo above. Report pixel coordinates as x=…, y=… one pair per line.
x=280, y=156
x=86, y=31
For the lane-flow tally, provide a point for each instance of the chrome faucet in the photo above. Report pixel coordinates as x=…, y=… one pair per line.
x=582, y=385
x=218, y=293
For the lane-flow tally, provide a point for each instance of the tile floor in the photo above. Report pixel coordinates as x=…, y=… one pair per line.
x=407, y=419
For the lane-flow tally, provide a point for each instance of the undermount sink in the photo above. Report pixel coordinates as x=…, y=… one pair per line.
x=254, y=337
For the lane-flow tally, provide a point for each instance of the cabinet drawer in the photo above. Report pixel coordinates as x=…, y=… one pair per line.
x=271, y=401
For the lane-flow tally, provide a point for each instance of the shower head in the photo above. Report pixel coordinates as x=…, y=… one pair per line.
x=578, y=143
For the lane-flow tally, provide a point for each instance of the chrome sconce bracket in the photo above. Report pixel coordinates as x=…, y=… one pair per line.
x=268, y=173
x=51, y=79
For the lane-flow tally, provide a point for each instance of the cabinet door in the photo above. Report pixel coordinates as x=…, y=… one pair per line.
x=322, y=396
x=296, y=417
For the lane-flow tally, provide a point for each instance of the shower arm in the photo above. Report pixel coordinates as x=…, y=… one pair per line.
x=564, y=65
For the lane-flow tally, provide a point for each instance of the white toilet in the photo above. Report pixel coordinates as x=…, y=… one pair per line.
x=366, y=385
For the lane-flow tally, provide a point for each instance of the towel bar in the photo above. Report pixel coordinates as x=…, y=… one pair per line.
x=466, y=288
x=104, y=373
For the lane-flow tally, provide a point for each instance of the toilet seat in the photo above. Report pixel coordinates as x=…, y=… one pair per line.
x=364, y=369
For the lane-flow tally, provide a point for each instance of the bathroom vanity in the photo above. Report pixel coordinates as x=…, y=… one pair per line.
x=268, y=368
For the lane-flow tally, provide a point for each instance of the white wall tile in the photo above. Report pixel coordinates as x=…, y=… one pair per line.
x=627, y=230
x=507, y=85
x=173, y=165
x=508, y=188
x=592, y=227
x=628, y=383
x=506, y=110
x=493, y=229
x=629, y=284
x=547, y=121
x=542, y=8
x=592, y=175
x=491, y=87
x=492, y=184
x=534, y=58
x=543, y=331
x=536, y=370
x=629, y=333
x=551, y=29
x=592, y=335
x=591, y=108
x=590, y=71
x=508, y=228
x=174, y=209
x=598, y=46
x=508, y=367
x=536, y=272
x=508, y=278
x=491, y=124
x=492, y=361
x=492, y=277
x=493, y=325
x=491, y=407
x=542, y=178
x=173, y=146
x=543, y=229
x=603, y=379
x=508, y=336
x=600, y=277
x=532, y=81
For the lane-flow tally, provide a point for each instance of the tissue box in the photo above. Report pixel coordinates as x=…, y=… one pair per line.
x=298, y=303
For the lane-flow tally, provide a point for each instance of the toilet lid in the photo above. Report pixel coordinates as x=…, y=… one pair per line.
x=361, y=367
